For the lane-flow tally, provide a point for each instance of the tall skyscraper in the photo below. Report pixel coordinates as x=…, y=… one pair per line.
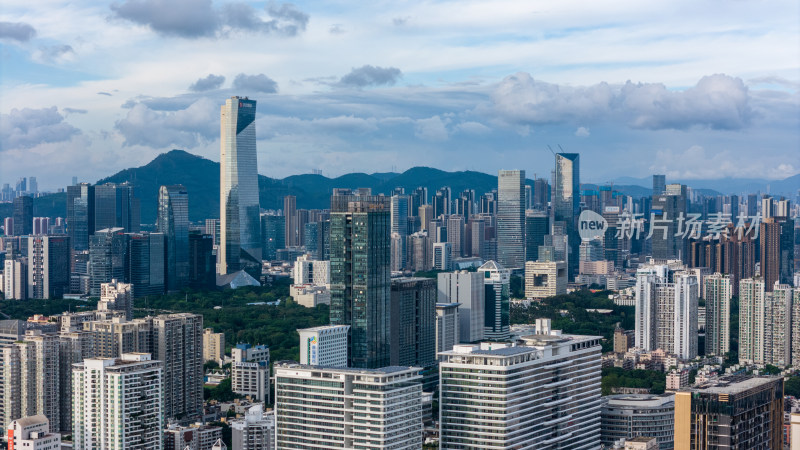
x=413, y=312
x=173, y=222
x=80, y=215
x=290, y=213
x=273, y=234
x=717, y=291
x=107, y=251
x=511, y=218
x=240, y=226
x=665, y=211
x=115, y=206
x=566, y=203
x=466, y=288
x=776, y=237
x=23, y=215
x=202, y=264
x=178, y=343
x=498, y=300
x=537, y=226
x=360, y=275
x=399, y=218
x=659, y=184
x=48, y=266
x=144, y=263
x=118, y=403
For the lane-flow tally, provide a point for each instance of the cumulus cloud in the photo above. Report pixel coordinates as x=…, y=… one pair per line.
x=432, y=129
x=199, y=18
x=256, y=83
x=697, y=162
x=208, y=83
x=17, y=31
x=185, y=128
x=582, y=132
x=475, y=128
x=717, y=101
x=27, y=128
x=370, y=76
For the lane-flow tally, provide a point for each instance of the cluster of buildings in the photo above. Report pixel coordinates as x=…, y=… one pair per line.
x=397, y=342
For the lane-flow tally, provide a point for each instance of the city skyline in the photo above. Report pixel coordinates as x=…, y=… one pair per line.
x=691, y=95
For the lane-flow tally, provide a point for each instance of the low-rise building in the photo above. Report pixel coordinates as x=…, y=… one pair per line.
x=324, y=346
x=310, y=295
x=545, y=279
x=627, y=416
x=32, y=433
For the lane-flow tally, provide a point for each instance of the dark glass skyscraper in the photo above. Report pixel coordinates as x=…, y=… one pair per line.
x=107, y=249
x=273, y=234
x=115, y=207
x=511, y=218
x=202, y=265
x=240, y=226
x=665, y=210
x=537, y=225
x=360, y=275
x=23, y=216
x=144, y=263
x=173, y=222
x=80, y=215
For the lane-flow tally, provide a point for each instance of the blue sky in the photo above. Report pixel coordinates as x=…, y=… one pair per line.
x=693, y=89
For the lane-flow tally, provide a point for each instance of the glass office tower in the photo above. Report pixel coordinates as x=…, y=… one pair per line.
x=511, y=218
x=240, y=225
x=173, y=222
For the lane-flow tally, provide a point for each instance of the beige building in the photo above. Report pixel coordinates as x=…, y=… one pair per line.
x=32, y=433
x=545, y=279
x=116, y=296
x=213, y=345
x=641, y=443
x=310, y=295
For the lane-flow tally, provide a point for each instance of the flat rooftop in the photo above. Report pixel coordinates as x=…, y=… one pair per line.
x=731, y=385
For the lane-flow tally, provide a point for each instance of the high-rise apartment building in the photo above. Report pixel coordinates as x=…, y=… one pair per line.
x=777, y=250
x=250, y=371
x=256, y=431
x=178, y=344
x=475, y=409
x=718, y=291
x=778, y=326
x=497, y=312
x=324, y=346
x=752, y=315
x=511, y=218
x=80, y=215
x=213, y=345
x=23, y=215
x=413, y=322
x=737, y=411
x=363, y=408
x=48, y=266
x=240, y=225
x=360, y=275
x=467, y=289
x=116, y=296
x=118, y=403
x=173, y=222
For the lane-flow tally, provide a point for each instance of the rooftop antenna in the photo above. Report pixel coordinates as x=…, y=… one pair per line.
x=551, y=149
x=559, y=147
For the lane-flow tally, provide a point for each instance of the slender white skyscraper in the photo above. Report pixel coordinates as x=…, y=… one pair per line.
x=240, y=231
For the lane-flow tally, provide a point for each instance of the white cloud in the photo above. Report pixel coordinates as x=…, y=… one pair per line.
x=432, y=129
x=582, y=132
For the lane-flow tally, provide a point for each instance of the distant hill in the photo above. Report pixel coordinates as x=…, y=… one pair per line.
x=200, y=176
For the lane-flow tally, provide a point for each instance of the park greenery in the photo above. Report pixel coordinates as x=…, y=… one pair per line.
x=616, y=377
x=569, y=314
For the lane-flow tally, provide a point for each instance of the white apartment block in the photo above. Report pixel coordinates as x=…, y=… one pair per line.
x=30, y=379
x=118, y=403
x=116, y=296
x=752, y=313
x=15, y=280
x=324, y=346
x=442, y=256
x=545, y=279
x=333, y=408
x=666, y=309
x=213, y=346
x=255, y=432
x=718, y=291
x=544, y=394
x=309, y=295
x=32, y=433
x=796, y=328
x=778, y=326
x=446, y=326
x=309, y=271
x=466, y=288
x=250, y=371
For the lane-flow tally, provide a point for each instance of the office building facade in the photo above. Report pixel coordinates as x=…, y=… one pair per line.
x=324, y=346
x=173, y=222
x=511, y=218
x=467, y=289
x=413, y=322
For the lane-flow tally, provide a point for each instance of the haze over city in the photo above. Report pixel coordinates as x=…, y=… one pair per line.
x=690, y=89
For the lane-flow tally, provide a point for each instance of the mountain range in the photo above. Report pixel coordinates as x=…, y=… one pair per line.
x=200, y=176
